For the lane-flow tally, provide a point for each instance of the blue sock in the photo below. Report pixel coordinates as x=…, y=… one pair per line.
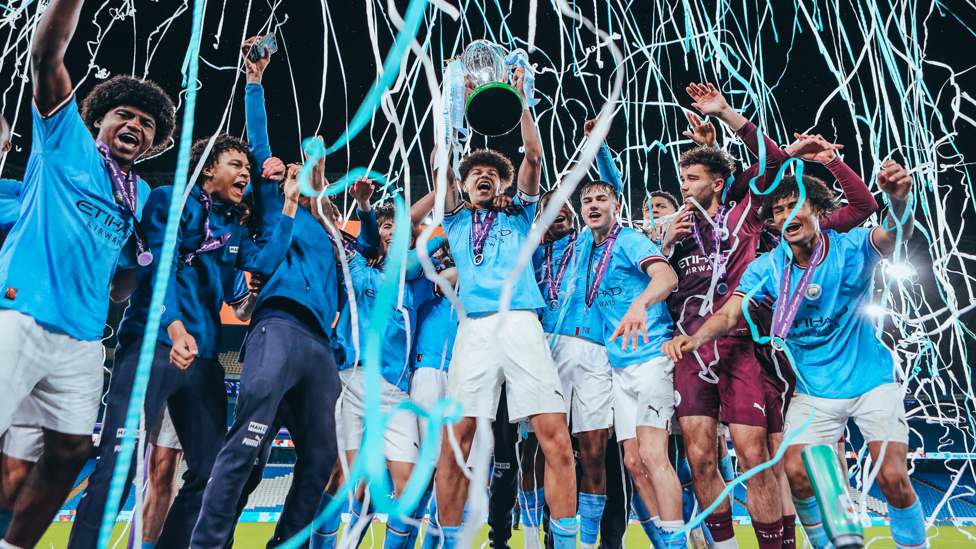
x=326, y=535
x=668, y=531
x=726, y=469
x=357, y=511
x=147, y=545
x=687, y=492
x=450, y=536
x=591, y=512
x=908, y=526
x=532, y=503
x=397, y=531
x=646, y=521
x=6, y=515
x=432, y=539
x=418, y=515
x=564, y=532
x=809, y=515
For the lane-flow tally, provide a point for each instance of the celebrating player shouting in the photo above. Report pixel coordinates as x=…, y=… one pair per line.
x=822, y=282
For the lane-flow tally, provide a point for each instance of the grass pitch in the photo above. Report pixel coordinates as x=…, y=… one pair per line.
x=254, y=535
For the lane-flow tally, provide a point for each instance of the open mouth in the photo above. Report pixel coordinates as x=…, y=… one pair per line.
x=129, y=140
x=239, y=187
x=484, y=185
x=793, y=228
x=559, y=219
x=594, y=215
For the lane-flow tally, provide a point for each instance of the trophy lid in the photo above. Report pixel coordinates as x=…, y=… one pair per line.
x=484, y=62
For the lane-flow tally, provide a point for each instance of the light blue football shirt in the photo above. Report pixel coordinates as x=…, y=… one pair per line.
x=833, y=338
x=624, y=280
x=396, y=344
x=60, y=255
x=438, y=326
x=577, y=319
x=10, y=202
x=481, y=285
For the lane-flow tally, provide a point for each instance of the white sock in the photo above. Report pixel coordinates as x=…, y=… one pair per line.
x=727, y=544
x=532, y=540
x=4, y=544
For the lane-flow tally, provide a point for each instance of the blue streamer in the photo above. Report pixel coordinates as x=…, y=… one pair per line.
x=120, y=474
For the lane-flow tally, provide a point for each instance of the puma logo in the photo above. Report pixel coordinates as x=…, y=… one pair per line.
x=761, y=408
x=655, y=410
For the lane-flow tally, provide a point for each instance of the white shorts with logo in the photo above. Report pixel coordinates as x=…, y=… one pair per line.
x=163, y=433
x=488, y=352
x=60, y=375
x=873, y=412
x=402, y=435
x=427, y=387
x=24, y=440
x=584, y=370
x=643, y=396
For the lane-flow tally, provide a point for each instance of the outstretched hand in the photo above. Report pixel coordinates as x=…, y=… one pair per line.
x=702, y=133
x=361, y=190
x=273, y=169
x=255, y=68
x=631, y=326
x=894, y=180
x=708, y=99
x=812, y=148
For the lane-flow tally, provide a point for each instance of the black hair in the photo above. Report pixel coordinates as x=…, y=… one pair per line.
x=223, y=143
x=144, y=95
x=661, y=194
x=384, y=211
x=819, y=195
x=488, y=157
x=599, y=185
x=716, y=161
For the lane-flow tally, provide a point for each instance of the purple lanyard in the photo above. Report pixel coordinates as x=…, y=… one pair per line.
x=716, y=242
x=554, y=283
x=348, y=247
x=126, y=193
x=785, y=310
x=210, y=242
x=601, y=266
x=479, y=234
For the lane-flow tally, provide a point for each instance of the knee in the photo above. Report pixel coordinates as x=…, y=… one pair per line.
x=797, y=474
x=652, y=457
x=69, y=454
x=894, y=482
x=632, y=462
x=702, y=461
x=593, y=456
x=752, y=455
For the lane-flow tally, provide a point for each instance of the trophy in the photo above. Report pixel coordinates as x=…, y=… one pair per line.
x=494, y=108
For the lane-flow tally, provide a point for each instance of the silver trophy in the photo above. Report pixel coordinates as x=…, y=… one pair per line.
x=495, y=107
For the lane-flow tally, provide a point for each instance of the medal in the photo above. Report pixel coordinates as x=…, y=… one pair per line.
x=125, y=193
x=553, y=305
x=600, y=268
x=722, y=288
x=210, y=242
x=479, y=234
x=719, y=233
x=554, y=282
x=786, y=308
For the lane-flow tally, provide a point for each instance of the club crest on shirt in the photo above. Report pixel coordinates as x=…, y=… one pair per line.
x=814, y=291
x=677, y=398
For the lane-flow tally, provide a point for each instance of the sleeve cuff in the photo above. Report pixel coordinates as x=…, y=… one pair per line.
x=55, y=109
x=455, y=211
x=747, y=129
x=526, y=198
x=652, y=259
x=752, y=300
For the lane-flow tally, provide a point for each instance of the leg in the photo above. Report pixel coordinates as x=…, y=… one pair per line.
x=199, y=413
x=164, y=464
x=560, y=474
x=503, y=490
x=398, y=529
x=654, y=457
x=48, y=486
x=593, y=486
x=452, y=485
x=805, y=504
x=764, y=500
x=613, y=523
x=13, y=474
x=775, y=440
x=699, y=434
x=644, y=500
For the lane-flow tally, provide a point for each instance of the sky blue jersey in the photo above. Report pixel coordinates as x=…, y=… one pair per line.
x=577, y=319
x=833, y=338
x=481, y=285
x=397, y=341
x=625, y=279
x=437, y=328
x=61, y=253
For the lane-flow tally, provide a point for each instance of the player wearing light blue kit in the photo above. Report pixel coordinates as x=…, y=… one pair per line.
x=402, y=435
x=627, y=279
x=81, y=203
x=493, y=348
x=822, y=283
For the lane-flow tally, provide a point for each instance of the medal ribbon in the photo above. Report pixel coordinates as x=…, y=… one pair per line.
x=480, y=230
x=210, y=242
x=126, y=194
x=554, y=283
x=601, y=266
x=785, y=310
x=347, y=246
x=718, y=266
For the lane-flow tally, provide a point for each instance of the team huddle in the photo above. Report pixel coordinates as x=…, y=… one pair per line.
x=651, y=339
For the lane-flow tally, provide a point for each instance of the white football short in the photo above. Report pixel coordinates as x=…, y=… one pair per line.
x=60, y=375
x=488, y=352
x=163, y=433
x=643, y=396
x=874, y=412
x=584, y=370
x=402, y=435
x=427, y=387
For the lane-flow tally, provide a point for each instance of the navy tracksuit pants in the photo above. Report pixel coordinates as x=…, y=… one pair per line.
x=283, y=360
x=197, y=401
x=503, y=490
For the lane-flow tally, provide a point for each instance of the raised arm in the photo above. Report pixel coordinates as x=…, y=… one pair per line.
x=52, y=83
x=860, y=202
x=452, y=196
x=897, y=184
x=265, y=260
x=255, y=112
x=663, y=282
x=604, y=162
x=530, y=172
x=718, y=325
x=420, y=209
